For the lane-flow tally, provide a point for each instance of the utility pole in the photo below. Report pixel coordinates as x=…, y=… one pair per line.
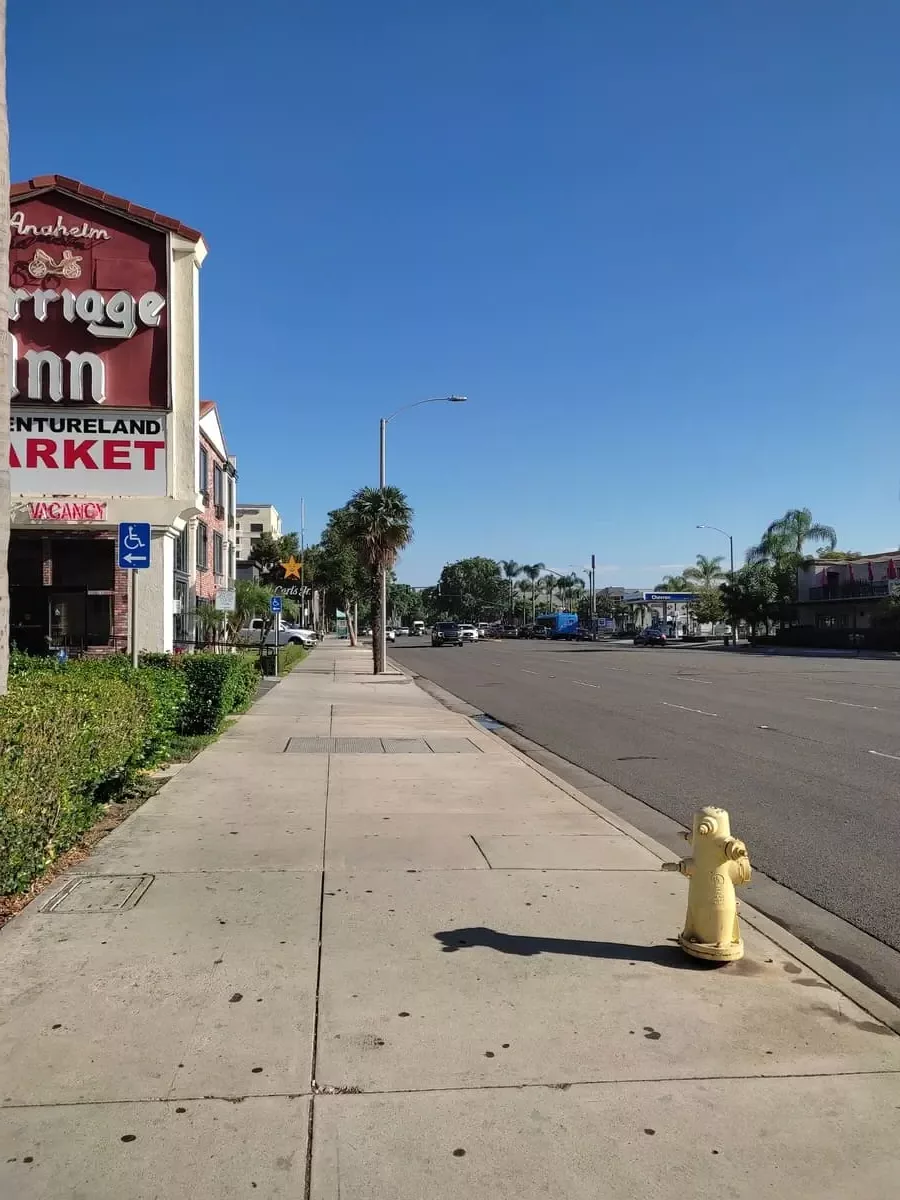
x=4, y=361
x=593, y=591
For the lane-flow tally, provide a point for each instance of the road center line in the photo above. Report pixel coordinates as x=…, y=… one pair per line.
x=683, y=708
x=843, y=703
x=879, y=754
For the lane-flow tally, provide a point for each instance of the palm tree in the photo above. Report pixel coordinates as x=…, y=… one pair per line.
x=510, y=570
x=550, y=583
x=378, y=526
x=674, y=583
x=707, y=572
x=789, y=534
x=532, y=572
x=4, y=352
x=524, y=587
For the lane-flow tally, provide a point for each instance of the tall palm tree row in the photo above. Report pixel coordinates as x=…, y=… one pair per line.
x=378, y=525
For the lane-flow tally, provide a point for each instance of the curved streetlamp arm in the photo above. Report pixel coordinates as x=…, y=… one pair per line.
x=419, y=403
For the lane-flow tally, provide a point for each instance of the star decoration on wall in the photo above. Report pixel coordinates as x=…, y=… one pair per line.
x=291, y=568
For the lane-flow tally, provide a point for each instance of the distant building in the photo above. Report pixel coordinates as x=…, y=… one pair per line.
x=847, y=595
x=253, y=520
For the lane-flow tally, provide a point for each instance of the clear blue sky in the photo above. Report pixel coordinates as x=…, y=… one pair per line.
x=656, y=243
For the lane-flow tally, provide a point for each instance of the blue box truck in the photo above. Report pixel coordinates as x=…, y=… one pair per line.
x=558, y=625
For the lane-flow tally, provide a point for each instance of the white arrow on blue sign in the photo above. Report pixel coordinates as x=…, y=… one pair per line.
x=275, y=604
x=134, y=545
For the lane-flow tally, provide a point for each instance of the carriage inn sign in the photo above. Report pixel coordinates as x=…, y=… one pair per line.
x=88, y=335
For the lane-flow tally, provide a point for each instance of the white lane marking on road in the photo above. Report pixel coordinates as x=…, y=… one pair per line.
x=879, y=754
x=584, y=684
x=527, y=672
x=689, y=679
x=701, y=711
x=843, y=703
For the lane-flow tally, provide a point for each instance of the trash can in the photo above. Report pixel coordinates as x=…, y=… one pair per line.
x=267, y=660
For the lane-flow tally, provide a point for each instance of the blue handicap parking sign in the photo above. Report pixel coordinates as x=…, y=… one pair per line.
x=134, y=545
x=275, y=604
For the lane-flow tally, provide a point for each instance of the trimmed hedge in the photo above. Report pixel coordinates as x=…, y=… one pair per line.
x=73, y=735
x=217, y=684
x=68, y=741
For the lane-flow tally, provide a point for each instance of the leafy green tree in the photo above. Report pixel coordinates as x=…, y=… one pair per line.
x=378, y=525
x=707, y=571
x=336, y=570
x=825, y=555
x=752, y=597
x=709, y=607
x=270, y=552
x=471, y=589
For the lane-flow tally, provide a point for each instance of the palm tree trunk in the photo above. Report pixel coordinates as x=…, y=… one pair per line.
x=4, y=353
x=378, y=621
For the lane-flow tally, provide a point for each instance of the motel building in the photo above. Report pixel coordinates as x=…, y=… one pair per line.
x=107, y=425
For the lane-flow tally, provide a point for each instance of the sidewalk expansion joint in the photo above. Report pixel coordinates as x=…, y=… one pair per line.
x=229, y=1099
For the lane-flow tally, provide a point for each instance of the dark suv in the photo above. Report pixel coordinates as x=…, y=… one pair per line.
x=650, y=637
x=446, y=633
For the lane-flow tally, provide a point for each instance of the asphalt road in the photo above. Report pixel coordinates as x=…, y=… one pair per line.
x=805, y=752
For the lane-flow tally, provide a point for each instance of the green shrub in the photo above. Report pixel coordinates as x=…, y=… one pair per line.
x=69, y=740
x=289, y=656
x=246, y=676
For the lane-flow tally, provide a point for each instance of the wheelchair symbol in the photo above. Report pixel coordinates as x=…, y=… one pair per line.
x=131, y=541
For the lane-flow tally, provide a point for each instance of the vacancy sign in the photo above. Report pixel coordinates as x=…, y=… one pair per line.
x=78, y=453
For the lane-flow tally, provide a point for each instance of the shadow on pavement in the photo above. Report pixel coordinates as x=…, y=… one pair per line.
x=517, y=943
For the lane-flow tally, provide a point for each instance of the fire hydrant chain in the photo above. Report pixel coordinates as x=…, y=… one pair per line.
x=718, y=864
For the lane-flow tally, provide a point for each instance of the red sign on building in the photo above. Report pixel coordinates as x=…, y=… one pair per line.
x=89, y=305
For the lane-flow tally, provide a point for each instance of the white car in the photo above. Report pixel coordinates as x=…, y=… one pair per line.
x=288, y=635
x=390, y=635
x=469, y=633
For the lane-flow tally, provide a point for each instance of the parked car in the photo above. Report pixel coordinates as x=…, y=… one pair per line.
x=403, y=631
x=390, y=635
x=288, y=635
x=541, y=632
x=446, y=633
x=650, y=637
x=469, y=633
x=509, y=631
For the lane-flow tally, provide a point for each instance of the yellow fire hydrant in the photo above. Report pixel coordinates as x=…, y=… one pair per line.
x=718, y=863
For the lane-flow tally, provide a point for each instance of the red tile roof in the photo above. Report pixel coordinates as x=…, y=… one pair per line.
x=206, y=406
x=62, y=183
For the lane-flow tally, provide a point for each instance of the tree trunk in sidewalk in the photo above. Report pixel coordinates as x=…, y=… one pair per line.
x=378, y=620
x=351, y=622
x=4, y=360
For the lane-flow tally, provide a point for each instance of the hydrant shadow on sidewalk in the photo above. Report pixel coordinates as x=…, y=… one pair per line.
x=524, y=945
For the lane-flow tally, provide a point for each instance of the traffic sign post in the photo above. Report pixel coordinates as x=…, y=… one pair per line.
x=275, y=606
x=134, y=556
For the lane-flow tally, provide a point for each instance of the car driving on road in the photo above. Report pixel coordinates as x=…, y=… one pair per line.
x=650, y=637
x=446, y=633
x=469, y=633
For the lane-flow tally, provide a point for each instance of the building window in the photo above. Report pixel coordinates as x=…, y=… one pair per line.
x=182, y=615
x=256, y=528
x=202, y=546
x=181, y=552
x=218, y=486
x=204, y=471
x=218, y=554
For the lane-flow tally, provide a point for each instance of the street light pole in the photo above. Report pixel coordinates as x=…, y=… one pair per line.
x=725, y=533
x=381, y=633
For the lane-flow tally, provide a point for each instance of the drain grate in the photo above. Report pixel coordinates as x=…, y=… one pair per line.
x=376, y=745
x=98, y=893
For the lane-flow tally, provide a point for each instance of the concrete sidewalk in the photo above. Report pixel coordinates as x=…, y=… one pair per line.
x=360, y=949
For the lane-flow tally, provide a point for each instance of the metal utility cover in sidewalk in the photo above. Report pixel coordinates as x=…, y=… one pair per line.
x=98, y=893
x=376, y=745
